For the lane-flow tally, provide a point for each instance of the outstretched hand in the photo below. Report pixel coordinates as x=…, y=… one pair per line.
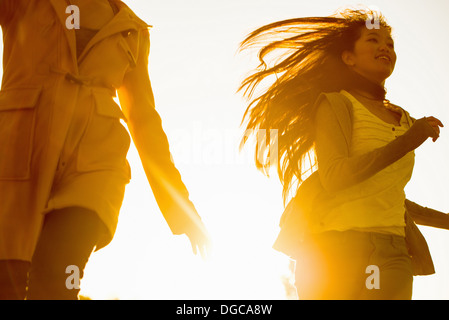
x=435, y=124
x=199, y=239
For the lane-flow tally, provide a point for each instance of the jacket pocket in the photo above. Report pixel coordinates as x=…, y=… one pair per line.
x=17, y=121
x=105, y=142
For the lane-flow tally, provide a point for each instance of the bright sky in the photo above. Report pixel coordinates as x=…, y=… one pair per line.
x=195, y=71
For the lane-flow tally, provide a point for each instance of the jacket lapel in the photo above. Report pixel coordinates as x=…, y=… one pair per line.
x=124, y=20
x=60, y=8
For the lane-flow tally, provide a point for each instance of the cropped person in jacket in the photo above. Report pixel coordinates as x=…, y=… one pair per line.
x=349, y=226
x=63, y=167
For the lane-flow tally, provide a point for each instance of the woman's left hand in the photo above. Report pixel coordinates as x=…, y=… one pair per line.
x=199, y=239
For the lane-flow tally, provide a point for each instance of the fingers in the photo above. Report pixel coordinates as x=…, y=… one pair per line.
x=435, y=128
x=435, y=124
x=204, y=253
x=194, y=247
x=200, y=242
x=205, y=247
x=202, y=248
x=435, y=120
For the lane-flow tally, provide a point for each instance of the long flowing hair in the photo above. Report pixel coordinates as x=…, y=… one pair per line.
x=302, y=58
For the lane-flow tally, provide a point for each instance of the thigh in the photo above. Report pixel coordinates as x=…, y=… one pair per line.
x=67, y=239
x=394, y=270
x=332, y=266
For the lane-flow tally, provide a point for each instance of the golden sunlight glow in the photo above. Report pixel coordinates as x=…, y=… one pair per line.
x=240, y=207
x=195, y=72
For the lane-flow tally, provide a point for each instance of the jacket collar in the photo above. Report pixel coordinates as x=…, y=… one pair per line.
x=60, y=7
x=124, y=20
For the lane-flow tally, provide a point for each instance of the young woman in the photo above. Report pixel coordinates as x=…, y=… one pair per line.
x=63, y=167
x=348, y=227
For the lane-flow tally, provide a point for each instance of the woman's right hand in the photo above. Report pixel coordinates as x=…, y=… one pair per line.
x=420, y=131
x=427, y=127
x=435, y=124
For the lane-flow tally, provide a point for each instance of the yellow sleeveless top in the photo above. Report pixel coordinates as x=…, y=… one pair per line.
x=376, y=204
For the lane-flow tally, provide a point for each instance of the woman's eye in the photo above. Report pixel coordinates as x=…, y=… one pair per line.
x=373, y=40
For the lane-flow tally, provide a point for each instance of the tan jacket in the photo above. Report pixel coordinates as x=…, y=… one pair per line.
x=337, y=170
x=45, y=84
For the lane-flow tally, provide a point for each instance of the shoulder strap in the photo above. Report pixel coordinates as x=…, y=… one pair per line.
x=343, y=109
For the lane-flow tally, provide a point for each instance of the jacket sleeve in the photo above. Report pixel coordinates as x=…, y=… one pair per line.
x=6, y=10
x=145, y=126
x=337, y=168
x=9, y=8
x=426, y=216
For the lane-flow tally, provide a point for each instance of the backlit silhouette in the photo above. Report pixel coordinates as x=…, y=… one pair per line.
x=63, y=167
x=345, y=154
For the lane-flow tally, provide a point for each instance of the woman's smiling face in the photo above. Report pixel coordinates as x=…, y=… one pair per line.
x=373, y=55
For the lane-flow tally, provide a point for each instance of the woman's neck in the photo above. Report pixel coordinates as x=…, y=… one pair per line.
x=365, y=94
x=365, y=87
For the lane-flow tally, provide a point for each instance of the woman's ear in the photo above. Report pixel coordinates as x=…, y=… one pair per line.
x=348, y=58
